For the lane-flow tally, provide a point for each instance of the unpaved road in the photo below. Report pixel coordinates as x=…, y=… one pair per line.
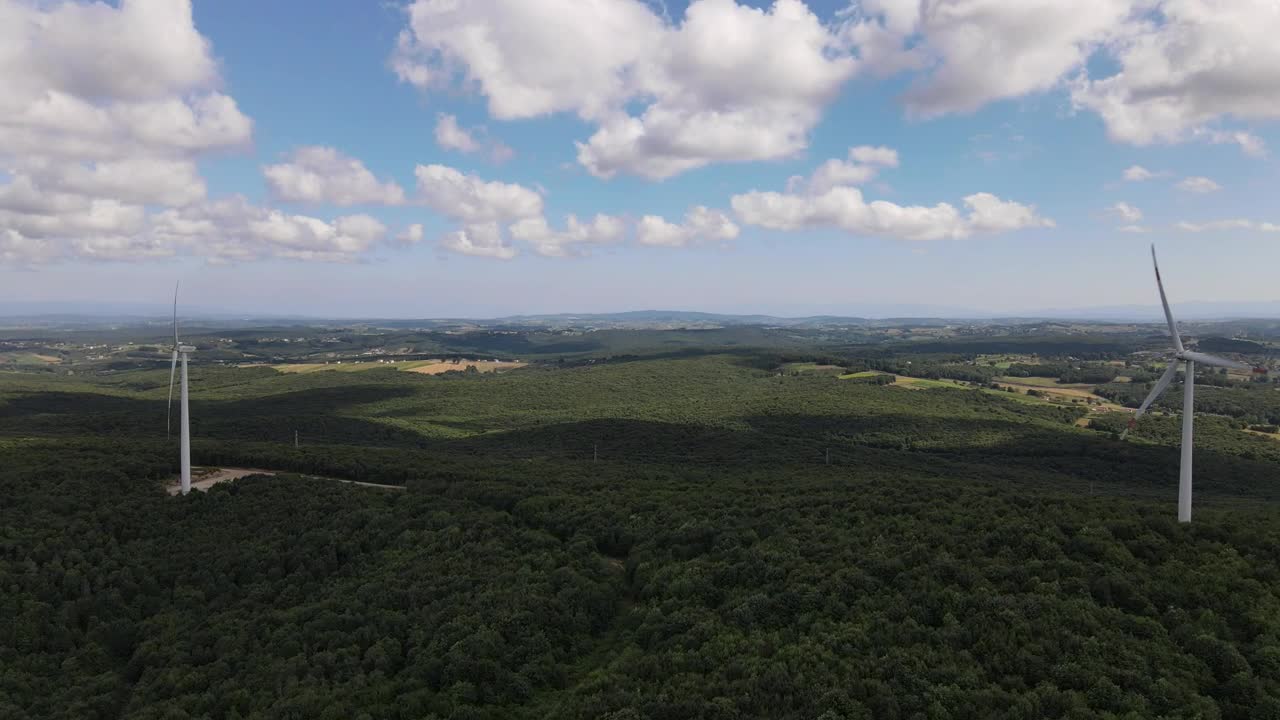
x=205, y=478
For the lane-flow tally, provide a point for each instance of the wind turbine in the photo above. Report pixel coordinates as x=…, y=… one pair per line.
x=1188, y=358
x=185, y=415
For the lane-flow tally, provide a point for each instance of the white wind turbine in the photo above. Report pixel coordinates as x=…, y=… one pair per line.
x=185, y=421
x=1189, y=359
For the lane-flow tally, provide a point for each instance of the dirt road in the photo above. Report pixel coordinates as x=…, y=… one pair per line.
x=205, y=478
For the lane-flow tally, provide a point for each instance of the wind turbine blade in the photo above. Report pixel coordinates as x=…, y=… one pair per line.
x=168, y=417
x=175, y=316
x=1161, y=385
x=1173, y=328
x=1215, y=361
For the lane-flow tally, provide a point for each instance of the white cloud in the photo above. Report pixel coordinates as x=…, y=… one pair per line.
x=700, y=223
x=1137, y=173
x=22, y=195
x=104, y=111
x=1199, y=185
x=1231, y=224
x=1134, y=229
x=482, y=240
x=1191, y=63
x=99, y=218
x=988, y=213
x=879, y=156
x=1125, y=212
x=863, y=165
x=1171, y=70
x=469, y=199
x=411, y=235
x=233, y=229
x=1251, y=144
x=88, y=82
x=729, y=83
x=977, y=51
x=316, y=174
x=602, y=230
x=451, y=136
x=230, y=229
x=482, y=207
x=843, y=207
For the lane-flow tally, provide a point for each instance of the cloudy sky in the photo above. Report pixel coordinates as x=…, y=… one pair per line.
x=482, y=157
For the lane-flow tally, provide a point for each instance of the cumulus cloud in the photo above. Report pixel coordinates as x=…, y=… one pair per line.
x=227, y=230
x=843, y=207
x=315, y=174
x=411, y=235
x=573, y=240
x=1125, y=212
x=863, y=165
x=481, y=240
x=89, y=82
x=700, y=223
x=1199, y=185
x=104, y=110
x=1185, y=65
x=1248, y=142
x=452, y=136
x=1137, y=173
x=471, y=200
x=233, y=229
x=729, y=83
x=972, y=52
x=1134, y=229
x=1173, y=69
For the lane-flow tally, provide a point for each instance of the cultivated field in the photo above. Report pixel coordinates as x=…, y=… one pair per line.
x=426, y=367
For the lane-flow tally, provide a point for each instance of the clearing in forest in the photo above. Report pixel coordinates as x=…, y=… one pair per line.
x=441, y=366
x=427, y=367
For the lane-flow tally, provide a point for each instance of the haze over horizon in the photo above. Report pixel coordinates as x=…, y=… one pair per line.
x=1193, y=311
x=371, y=162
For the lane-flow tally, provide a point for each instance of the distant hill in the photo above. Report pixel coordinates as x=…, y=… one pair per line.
x=41, y=314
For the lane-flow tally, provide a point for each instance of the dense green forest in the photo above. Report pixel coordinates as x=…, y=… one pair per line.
x=664, y=534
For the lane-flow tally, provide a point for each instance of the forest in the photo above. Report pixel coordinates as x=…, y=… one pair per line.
x=650, y=533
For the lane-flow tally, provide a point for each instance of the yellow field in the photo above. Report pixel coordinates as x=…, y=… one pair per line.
x=1048, y=386
x=437, y=367
x=427, y=367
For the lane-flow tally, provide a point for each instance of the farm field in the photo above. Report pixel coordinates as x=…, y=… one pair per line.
x=426, y=367
x=634, y=536
x=23, y=358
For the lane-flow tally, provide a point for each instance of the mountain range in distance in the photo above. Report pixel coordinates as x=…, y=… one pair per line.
x=79, y=314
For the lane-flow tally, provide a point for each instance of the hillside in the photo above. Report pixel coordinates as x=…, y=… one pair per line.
x=660, y=537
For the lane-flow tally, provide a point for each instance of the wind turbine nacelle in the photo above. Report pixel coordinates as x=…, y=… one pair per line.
x=186, y=348
x=1211, y=360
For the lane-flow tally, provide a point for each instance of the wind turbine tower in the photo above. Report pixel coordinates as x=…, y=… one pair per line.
x=184, y=422
x=1188, y=359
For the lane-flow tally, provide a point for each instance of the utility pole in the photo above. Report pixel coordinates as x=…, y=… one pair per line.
x=828, y=456
x=595, y=453
x=295, y=439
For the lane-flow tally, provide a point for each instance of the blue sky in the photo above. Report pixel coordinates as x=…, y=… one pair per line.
x=1046, y=131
